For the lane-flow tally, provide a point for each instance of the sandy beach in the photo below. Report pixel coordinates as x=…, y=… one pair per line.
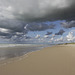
x=56, y=60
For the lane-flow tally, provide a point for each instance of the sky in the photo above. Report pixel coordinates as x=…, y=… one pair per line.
x=37, y=21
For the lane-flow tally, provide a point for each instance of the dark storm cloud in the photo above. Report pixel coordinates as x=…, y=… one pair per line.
x=12, y=12
x=69, y=24
x=43, y=10
x=21, y=26
x=60, y=32
x=38, y=10
x=48, y=33
x=10, y=28
x=14, y=25
x=39, y=26
x=4, y=34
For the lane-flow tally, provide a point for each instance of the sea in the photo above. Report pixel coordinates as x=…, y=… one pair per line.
x=8, y=51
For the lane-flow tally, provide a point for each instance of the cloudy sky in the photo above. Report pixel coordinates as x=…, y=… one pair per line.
x=37, y=21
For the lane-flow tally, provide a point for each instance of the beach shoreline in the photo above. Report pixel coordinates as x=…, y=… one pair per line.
x=47, y=60
x=7, y=51
x=19, y=58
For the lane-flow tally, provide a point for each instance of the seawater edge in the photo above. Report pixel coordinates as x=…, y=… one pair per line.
x=19, y=58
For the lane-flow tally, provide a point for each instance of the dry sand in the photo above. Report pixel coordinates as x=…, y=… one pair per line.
x=57, y=60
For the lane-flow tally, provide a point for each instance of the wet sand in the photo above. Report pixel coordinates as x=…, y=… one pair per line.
x=16, y=51
x=56, y=60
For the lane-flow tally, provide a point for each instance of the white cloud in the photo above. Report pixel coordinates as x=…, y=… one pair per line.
x=46, y=36
x=60, y=3
x=9, y=8
x=19, y=33
x=61, y=39
x=6, y=12
x=70, y=36
x=37, y=36
x=5, y=30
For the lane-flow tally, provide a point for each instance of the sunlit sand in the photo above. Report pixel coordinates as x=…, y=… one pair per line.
x=56, y=60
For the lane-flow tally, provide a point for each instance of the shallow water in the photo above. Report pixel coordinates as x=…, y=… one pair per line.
x=14, y=50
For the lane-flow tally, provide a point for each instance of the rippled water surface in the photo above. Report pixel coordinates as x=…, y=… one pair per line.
x=14, y=50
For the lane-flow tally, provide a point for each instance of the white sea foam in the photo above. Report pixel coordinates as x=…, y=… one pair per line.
x=2, y=58
x=14, y=45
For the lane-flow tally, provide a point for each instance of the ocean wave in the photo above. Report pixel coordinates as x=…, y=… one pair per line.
x=14, y=45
